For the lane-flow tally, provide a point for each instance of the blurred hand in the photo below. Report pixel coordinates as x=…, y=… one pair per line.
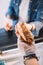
x=23, y=45
x=8, y=25
x=24, y=32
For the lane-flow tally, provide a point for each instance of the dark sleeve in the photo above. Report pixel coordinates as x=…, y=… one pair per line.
x=36, y=10
x=11, y=11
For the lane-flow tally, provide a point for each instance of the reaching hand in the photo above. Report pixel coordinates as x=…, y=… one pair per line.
x=8, y=26
x=24, y=32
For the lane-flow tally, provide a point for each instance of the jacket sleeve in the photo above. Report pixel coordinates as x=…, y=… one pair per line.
x=11, y=10
x=36, y=10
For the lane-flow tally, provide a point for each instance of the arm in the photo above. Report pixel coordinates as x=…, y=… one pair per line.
x=38, y=25
x=11, y=14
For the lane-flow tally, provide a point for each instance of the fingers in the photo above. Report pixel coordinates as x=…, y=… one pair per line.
x=23, y=29
x=19, y=30
x=8, y=26
x=33, y=26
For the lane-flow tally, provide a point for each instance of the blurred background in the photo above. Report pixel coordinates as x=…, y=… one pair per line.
x=8, y=43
